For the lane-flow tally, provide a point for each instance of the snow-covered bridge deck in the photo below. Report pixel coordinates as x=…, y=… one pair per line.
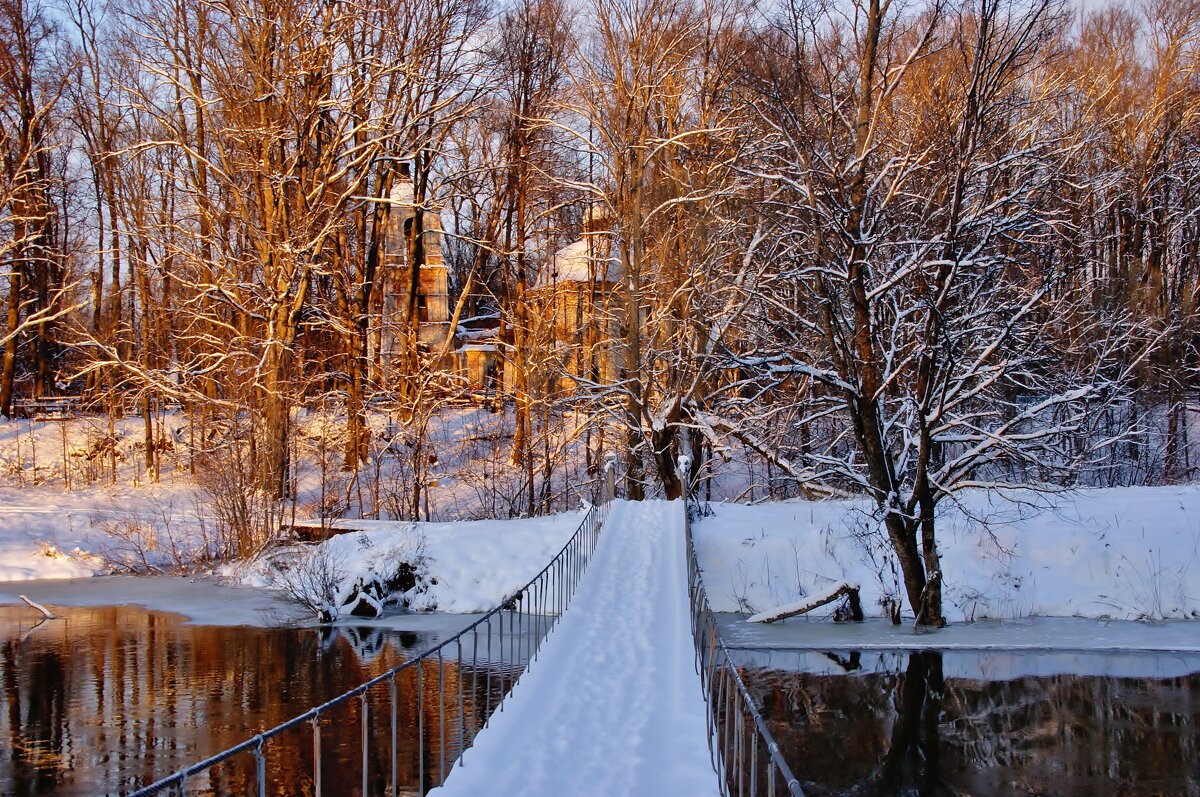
x=613, y=706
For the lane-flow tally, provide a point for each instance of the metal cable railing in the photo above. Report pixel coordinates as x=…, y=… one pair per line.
x=466, y=676
x=746, y=757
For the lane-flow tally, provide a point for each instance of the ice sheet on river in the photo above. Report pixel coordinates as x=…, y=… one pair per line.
x=613, y=705
x=987, y=650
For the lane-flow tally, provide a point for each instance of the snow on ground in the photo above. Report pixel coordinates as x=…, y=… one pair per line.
x=1122, y=553
x=477, y=564
x=469, y=566
x=466, y=460
x=613, y=705
x=46, y=532
x=49, y=545
x=50, y=532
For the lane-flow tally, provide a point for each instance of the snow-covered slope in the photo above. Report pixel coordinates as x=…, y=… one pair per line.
x=469, y=566
x=1124, y=553
x=49, y=533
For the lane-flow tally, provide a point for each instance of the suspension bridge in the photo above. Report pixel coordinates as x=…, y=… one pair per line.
x=604, y=675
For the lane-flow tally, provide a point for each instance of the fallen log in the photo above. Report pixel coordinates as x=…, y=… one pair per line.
x=311, y=531
x=810, y=602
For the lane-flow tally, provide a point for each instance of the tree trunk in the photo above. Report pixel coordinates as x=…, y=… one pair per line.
x=8, y=368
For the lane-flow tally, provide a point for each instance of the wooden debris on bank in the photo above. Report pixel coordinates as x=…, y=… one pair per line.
x=810, y=602
x=313, y=531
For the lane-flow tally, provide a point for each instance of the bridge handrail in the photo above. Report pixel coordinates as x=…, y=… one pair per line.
x=561, y=575
x=736, y=728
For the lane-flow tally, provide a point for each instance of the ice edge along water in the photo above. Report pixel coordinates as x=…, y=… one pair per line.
x=613, y=705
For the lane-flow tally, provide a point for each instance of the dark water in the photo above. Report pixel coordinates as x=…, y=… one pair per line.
x=928, y=724
x=102, y=700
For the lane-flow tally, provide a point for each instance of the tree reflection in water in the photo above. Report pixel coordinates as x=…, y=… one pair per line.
x=899, y=726
x=912, y=756
x=104, y=699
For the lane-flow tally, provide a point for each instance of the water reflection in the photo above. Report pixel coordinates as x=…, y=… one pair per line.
x=101, y=700
x=907, y=728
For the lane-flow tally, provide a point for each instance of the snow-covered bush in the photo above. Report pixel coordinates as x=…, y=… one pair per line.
x=351, y=575
x=312, y=576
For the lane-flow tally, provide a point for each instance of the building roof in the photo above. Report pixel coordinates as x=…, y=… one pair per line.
x=574, y=263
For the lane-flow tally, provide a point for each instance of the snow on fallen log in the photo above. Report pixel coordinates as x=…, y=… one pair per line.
x=810, y=602
x=45, y=612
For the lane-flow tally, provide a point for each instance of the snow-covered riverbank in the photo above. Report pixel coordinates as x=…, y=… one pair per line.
x=46, y=532
x=47, y=553
x=1127, y=553
x=1123, y=553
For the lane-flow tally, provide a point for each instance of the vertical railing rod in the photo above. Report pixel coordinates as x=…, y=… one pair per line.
x=500, y=646
x=395, y=742
x=462, y=718
x=316, y=723
x=441, y=718
x=260, y=768
x=474, y=682
x=421, y=727
x=754, y=767
x=737, y=743
x=537, y=616
x=489, y=667
x=366, y=736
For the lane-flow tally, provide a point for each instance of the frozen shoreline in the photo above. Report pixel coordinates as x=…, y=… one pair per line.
x=986, y=650
x=1027, y=634
x=203, y=599
x=1118, y=554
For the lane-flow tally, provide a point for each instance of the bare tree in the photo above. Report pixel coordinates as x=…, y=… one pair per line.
x=913, y=294
x=274, y=129
x=31, y=229
x=652, y=87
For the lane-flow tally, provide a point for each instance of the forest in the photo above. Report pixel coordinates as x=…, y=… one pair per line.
x=882, y=248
